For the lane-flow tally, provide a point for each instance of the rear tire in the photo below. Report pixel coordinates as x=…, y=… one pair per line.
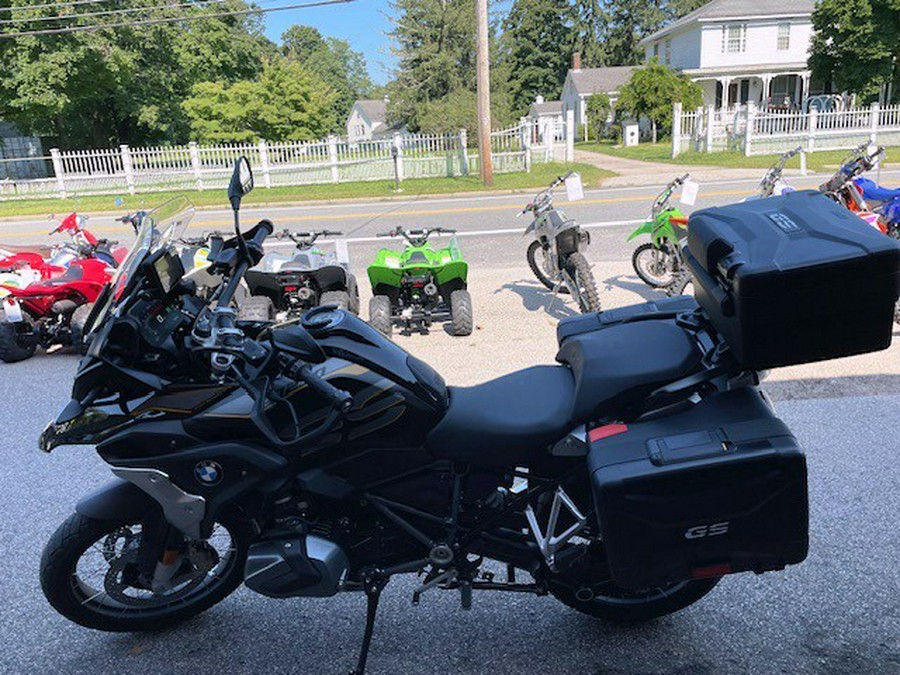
x=897, y=313
x=622, y=606
x=256, y=308
x=11, y=344
x=74, y=596
x=339, y=298
x=380, y=314
x=461, y=312
x=683, y=285
x=76, y=327
x=580, y=271
x=535, y=264
x=647, y=259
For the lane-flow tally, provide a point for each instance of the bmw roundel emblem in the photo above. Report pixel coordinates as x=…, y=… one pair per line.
x=208, y=472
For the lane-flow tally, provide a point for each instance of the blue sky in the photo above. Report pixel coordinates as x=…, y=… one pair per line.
x=362, y=23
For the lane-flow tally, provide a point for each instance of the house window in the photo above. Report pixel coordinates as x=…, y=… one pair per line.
x=734, y=38
x=784, y=37
x=668, y=50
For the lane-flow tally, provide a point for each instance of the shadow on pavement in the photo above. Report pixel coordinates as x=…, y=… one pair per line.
x=832, y=387
x=536, y=298
x=632, y=284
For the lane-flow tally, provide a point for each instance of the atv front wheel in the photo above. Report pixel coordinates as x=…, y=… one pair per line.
x=256, y=308
x=380, y=314
x=77, y=325
x=14, y=346
x=536, y=255
x=580, y=271
x=339, y=298
x=461, y=312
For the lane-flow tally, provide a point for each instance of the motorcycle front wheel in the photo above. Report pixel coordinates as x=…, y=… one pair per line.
x=536, y=256
x=657, y=267
x=90, y=575
x=586, y=288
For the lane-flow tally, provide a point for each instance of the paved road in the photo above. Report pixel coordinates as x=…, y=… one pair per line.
x=837, y=613
x=489, y=232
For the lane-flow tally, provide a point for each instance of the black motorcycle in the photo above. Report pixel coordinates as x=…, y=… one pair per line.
x=318, y=457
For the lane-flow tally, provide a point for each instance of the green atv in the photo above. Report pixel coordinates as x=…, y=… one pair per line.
x=658, y=262
x=420, y=285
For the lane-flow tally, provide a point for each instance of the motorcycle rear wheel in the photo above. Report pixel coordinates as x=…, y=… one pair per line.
x=85, y=553
x=537, y=266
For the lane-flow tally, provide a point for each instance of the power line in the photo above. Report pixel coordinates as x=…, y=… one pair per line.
x=172, y=19
x=51, y=5
x=126, y=10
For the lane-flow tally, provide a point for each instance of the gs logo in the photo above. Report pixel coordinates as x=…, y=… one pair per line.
x=703, y=531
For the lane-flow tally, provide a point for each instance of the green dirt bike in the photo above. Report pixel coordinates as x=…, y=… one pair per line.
x=419, y=285
x=658, y=262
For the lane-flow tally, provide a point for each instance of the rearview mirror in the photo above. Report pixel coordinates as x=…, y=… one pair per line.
x=241, y=182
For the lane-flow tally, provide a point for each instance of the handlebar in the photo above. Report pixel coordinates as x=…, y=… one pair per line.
x=416, y=237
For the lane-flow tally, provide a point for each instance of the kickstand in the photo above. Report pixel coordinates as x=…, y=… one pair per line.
x=373, y=595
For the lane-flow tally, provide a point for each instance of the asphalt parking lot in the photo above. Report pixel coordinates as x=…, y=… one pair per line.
x=839, y=612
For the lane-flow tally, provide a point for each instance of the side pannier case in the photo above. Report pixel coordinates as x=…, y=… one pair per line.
x=793, y=279
x=716, y=489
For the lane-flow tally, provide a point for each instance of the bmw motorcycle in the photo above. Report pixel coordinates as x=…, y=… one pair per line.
x=317, y=457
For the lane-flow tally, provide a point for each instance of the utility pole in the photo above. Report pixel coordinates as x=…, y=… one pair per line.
x=483, y=69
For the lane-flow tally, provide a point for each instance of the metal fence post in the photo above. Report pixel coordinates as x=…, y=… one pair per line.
x=811, y=125
x=333, y=158
x=397, y=143
x=873, y=124
x=750, y=116
x=570, y=135
x=463, y=152
x=194, y=151
x=264, y=163
x=710, y=124
x=676, y=129
x=58, y=171
x=128, y=167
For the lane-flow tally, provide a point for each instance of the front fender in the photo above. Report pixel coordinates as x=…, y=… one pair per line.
x=117, y=500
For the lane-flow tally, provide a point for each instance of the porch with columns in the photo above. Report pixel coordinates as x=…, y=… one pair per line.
x=729, y=90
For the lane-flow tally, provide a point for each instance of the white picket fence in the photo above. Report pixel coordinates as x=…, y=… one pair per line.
x=759, y=132
x=286, y=163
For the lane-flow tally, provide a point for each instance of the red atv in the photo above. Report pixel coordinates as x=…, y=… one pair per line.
x=53, y=311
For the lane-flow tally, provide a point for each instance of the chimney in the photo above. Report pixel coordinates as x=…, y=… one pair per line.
x=576, y=61
x=539, y=99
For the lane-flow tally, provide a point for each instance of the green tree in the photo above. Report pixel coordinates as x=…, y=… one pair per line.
x=434, y=42
x=598, y=109
x=856, y=45
x=629, y=21
x=335, y=62
x=538, y=40
x=286, y=102
x=590, y=31
x=652, y=90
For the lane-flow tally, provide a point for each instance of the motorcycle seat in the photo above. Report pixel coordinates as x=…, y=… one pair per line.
x=514, y=418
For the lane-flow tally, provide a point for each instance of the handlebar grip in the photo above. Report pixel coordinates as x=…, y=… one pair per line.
x=340, y=399
x=265, y=229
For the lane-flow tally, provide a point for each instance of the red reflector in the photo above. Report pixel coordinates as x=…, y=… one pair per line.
x=711, y=571
x=606, y=431
x=290, y=289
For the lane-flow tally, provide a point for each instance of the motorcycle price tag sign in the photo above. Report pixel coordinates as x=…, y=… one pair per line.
x=12, y=309
x=574, y=188
x=689, y=191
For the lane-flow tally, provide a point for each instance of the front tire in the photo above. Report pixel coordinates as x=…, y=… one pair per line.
x=654, y=265
x=534, y=250
x=683, y=285
x=13, y=347
x=580, y=271
x=380, y=314
x=121, y=604
x=77, y=323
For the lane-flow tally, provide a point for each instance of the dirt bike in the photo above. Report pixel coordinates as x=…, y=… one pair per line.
x=772, y=182
x=658, y=262
x=419, y=285
x=284, y=286
x=842, y=187
x=318, y=457
x=555, y=255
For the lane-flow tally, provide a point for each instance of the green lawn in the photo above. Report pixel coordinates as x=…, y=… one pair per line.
x=661, y=152
x=541, y=174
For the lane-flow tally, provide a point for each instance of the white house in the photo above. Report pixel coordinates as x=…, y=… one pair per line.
x=542, y=115
x=368, y=120
x=742, y=51
x=582, y=83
